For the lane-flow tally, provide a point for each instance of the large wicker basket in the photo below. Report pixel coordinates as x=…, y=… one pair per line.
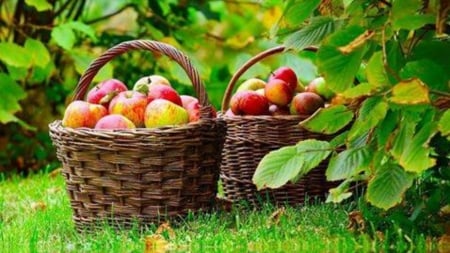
x=140, y=175
x=250, y=138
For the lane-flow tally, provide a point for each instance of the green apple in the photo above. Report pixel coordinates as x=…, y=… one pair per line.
x=319, y=86
x=251, y=84
x=161, y=112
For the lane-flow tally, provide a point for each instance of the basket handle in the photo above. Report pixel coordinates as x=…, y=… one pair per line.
x=252, y=61
x=155, y=47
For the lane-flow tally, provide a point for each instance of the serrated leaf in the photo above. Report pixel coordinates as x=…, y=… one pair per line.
x=410, y=147
x=64, y=36
x=348, y=163
x=312, y=34
x=410, y=92
x=375, y=72
x=402, y=10
x=444, y=123
x=386, y=188
x=428, y=71
x=362, y=89
x=287, y=163
x=81, y=27
x=9, y=104
x=328, y=120
x=372, y=111
x=40, y=5
x=386, y=127
x=38, y=52
x=14, y=55
x=339, y=69
x=298, y=11
x=339, y=140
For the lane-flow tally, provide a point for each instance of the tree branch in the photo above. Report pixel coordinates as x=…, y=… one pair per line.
x=62, y=8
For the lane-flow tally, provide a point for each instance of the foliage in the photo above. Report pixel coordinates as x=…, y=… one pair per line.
x=387, y=62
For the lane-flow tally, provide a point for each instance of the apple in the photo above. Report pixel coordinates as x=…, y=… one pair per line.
x=318, y=86
x=286, y=74
x=130, y=104
x=278, y=92
x=251, y=84
x=278, y=110
x=249, y=103
x=145, y=82
x=161, y=112
x=229, y=113
x=104, y=92
x=193, y=110
x=306, y=103
x=114, y=121
x=261, y=92
x=83, y=114
x=156, y=91
x=186, y=99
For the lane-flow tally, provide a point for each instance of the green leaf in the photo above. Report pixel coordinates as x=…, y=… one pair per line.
x=340, y=193
x=375, y=72
x=403, y=11
x=64, y=36
x=38, y=52
x=258, y=70
x=348, y=163
x=386, y=188
x=81, y=27
x=82, y=60
x=414, y=22
x=40, y=5
x=386, y=127
x=339, y=140
x=372, y=111
x=328, y=120
x=431, y=73
x=14, y=55
x=9, y=104
x=298, y=11
x=312, y=34
x=282, y=165
x=410, y=92
x=362, y=89
x=444, y=123
x=17, y=73
x=339, y=69
x=410, y=147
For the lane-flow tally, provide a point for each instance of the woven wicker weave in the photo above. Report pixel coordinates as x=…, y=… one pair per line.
x=144, y=175
x=250, y=138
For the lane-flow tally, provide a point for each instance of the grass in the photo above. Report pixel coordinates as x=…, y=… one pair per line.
x=35, y=216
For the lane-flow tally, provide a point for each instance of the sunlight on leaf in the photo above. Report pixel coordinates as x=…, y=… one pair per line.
x=375, y=72
x=312, y=34
x=410, y=92
x=348, y=163
x=38, y=52
x=14, y=55
x=328, y=120
x=64, y=36
x=40, y=5
x=360, y=90
x=444, y=123
x=156, y=244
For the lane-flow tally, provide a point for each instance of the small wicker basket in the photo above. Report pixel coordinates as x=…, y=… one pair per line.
x=250, y=138
x=143, y=175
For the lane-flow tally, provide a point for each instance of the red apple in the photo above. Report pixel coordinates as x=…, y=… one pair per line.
x=229, y=113
x=114, y=121
x=306, y=103
x=193, y=109
x=278, y=92
x=186, y=99
x=104, y=92
x=163, y=92
x=161, y=112
x=278, y=110
x=130, y=104
x=286, y=74
x=249, y=103
x=83, y=114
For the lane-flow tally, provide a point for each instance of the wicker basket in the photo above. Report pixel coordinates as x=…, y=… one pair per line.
x=250, y=138
x=143, y=175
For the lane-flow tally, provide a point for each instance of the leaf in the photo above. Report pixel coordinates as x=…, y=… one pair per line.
x=284, y=164
x=386, y=127
x=340, y=69
x=410, y=147
x=82, y=60
x=81, y=27
x=375, y=72
x=404, y=15
x=444, y=123
x=372, y=111
x=40, y=5
x=9, y=104
x=14, y=55
x=357, y=42
x=328, y=120
x=38, y=52
x=337, y=196
x=431, y=73
x=386, y=188
x=64, y=36
x=410, y=92
x=348, y=163
x=258, y=70
x=339, y=140
x=298, y=11
x=156, y=244
x=360, y=90
x=312, y=34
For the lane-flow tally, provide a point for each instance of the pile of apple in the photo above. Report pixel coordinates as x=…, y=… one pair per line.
x=151, y=103
x=281, y=95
